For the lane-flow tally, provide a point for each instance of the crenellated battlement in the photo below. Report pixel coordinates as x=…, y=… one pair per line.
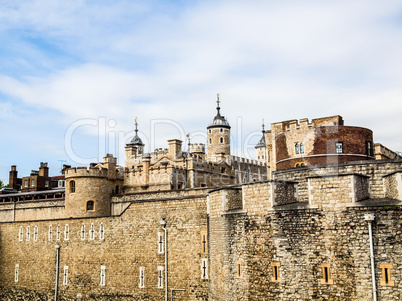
x=197, y=148
x=236, y=159
x=76, y=172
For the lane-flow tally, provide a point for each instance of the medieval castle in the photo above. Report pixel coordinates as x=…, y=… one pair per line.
x=317, y=216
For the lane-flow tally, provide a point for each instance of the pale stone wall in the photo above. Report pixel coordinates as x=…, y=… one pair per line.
x=300, y=242
x=130, y=242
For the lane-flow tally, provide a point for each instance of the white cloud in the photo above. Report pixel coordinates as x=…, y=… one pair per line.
x=273, y=60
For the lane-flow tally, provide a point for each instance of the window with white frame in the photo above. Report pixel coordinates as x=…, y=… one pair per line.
x=66, y=232
x=17, y=272
x=28, y=233
x=160, y=276
x=36, y=233
x=65, y=275
x=50, y=236
x=160, y=243
x=21, y=234
x=58, y=233
x=101, y=232
x=204, y=268
x=103, y=275
x=92, y=232
x=83, y=232
x=142, y=278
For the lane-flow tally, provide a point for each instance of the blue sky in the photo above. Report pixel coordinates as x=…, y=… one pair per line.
x=75, y=74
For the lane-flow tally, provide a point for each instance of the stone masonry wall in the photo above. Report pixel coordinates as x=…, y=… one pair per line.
x=374, y=169
x=300, y=243
x=130, y=242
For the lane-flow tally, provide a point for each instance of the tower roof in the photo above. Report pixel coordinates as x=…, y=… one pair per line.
x=136, y=140
x=219, y=121
x=262, y=143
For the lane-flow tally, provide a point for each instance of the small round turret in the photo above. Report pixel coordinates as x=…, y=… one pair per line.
x=218, y=137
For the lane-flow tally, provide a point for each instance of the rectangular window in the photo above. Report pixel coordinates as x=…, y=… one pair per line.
x=50, y=233
x=32, y=182
x=83, y=232
x=160, y=243
x=369, y=153
x=204, y=242
x=204, y=268
x=25, y=183
x=101, y=232
x=28, y=233
x=386, y=275
x=92, y=232
x=36, y=233
x=103, y=275
x=66, y=232
x=46, y=183
x=275, y=272
x=17, y=272
x=21, y=234
x=297, y=148
x=160, y=276
x=58, y=233
x=65, y=275
x=239, y=272
x=326, y=274
x=142, y=278
x=339, y=147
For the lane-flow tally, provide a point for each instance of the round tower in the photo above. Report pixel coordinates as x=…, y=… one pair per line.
x=89, y=190
x=218, y=137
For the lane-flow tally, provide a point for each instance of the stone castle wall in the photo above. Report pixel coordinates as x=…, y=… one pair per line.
x=130, y=242
x=246, y=244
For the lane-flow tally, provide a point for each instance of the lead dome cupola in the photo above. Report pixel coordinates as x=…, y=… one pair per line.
x=136, y=140
x=219, y=121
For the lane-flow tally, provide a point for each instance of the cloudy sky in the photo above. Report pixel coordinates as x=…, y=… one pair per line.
x=75, y=74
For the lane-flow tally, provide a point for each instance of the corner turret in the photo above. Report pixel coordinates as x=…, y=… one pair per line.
x=218, y=137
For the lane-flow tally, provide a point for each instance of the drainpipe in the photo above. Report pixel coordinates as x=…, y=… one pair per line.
x=369, y=217
x=163, y=223
x=57, y=271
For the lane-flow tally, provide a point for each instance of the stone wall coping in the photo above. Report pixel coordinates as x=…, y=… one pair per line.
x=344, y=164
x=392, y=173
x=234, y=211
x=375, y=203
x=294, y=206
x=237, y=187
x=339, y=175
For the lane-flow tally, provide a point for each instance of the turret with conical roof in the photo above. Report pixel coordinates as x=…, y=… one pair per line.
x=135, y=148
x=261, y=147
x=218, y=137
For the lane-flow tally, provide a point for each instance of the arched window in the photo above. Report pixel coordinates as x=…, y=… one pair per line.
x=210, y=140
x=221, y=139
x=90, y=206
x=72, y=186
x=297, y=165
x=301, y=148
x=221, y=130
x=297, y=148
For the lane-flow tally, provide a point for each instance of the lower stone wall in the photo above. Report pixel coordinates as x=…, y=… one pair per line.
x=373, y=169
x=130, y=241
x=301, y=243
